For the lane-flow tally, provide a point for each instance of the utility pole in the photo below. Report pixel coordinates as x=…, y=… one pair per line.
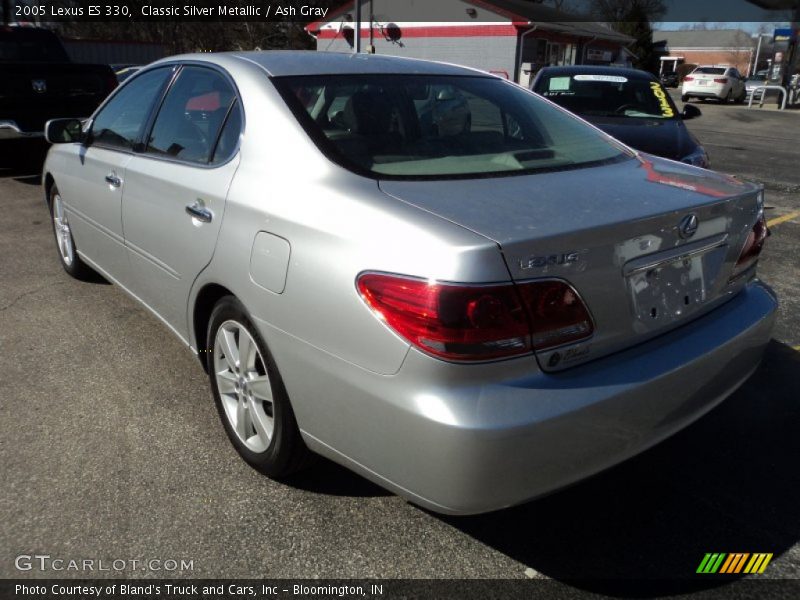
x=357, y=44
x=371, y=36
x=758, y=54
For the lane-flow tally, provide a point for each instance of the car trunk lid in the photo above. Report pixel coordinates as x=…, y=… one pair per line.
x=648, y=244
x=706, y=78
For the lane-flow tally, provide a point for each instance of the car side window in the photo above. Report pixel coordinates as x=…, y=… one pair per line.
x=121, y=122
x=229, y=136
x=191, y=116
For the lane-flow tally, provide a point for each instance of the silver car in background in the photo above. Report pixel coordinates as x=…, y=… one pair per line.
x=471, y=315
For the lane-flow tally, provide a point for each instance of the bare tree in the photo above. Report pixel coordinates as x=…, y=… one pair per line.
x=633, y=18
x=562, y=5
x=743, y=51
x=617, y=11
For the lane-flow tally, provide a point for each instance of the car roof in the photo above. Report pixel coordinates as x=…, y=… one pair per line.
x=597, y=70
x=284, y=63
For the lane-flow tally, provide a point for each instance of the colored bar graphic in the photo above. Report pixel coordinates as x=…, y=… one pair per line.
x=734, y=563
x=758, y=563
x=728, y=563
x=723, y=563
x=741, y=562
x=703, y=563
x=715, y=566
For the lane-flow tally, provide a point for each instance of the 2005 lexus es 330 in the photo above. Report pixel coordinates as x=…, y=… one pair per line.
x=422, y=272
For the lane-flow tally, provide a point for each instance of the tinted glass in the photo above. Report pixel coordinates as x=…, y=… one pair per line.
x=710, y=70
x=121, y=122
x=229, y=136
x=398, y=126
x=190, y=118
x=608, y=95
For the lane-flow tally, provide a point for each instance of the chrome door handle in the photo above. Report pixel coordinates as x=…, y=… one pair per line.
x=199, y=212
x=113, y=180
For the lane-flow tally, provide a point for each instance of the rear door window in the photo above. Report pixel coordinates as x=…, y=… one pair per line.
x=191, y=116
x=229, y=136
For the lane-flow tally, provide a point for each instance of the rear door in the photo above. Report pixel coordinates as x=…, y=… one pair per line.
x=175, y=190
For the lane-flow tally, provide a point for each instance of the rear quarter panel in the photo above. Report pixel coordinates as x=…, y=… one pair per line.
x=337, y=225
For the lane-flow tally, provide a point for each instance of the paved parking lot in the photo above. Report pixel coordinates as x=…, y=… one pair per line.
x=111, y=448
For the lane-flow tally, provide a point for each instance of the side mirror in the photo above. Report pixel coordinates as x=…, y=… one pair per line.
x=64, y=131
x=690, y=111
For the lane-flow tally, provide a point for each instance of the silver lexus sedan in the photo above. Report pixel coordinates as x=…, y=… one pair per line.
x=470, y=310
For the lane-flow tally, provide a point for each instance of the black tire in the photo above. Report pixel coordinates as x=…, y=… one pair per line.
x=74, y=267
x=685, y=99
x=286, y=452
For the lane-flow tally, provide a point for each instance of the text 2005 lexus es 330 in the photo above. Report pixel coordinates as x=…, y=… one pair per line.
x=422, y=272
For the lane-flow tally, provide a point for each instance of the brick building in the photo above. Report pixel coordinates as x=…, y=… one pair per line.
x=706, y=47
x=511, y=38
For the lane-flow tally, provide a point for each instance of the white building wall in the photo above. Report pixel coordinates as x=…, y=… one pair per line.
x=488, y=53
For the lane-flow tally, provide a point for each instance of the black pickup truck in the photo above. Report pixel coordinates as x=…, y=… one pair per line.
x=38, y=82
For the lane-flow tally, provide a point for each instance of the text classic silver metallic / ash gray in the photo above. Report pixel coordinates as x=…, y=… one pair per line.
x=423, y=272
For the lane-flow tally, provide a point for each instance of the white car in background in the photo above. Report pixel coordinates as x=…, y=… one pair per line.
x=719, y=82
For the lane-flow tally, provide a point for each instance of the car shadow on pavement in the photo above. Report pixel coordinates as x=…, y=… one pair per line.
x=729, y=483
x=22, y=158
x=29, y=179
x=327, y=477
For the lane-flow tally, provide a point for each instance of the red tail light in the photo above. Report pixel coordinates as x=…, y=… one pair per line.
x=721, y=80
x=688, y=78
x=477, y=322
x=558, y=315
x=752, y=247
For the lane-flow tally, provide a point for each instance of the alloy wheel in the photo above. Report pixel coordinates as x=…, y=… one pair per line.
x=63, y=233
x=244, y=386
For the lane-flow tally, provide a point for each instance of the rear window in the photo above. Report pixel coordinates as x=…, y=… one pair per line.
x=595, y=94
x=710, y=70
x=430, y=127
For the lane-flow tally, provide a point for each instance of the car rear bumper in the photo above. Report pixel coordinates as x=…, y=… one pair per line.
x=10, y=130
x=465, y=439
x=705, y=91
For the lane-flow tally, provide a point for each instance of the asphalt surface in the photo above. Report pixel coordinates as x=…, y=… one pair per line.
x=110, y=447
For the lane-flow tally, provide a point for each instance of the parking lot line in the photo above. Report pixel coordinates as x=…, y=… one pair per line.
x=783, y=219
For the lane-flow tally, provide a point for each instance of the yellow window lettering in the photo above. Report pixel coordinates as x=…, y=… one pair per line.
x=658, y=92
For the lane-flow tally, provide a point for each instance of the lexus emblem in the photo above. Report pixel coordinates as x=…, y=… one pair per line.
x=39, y=85
x=688, y=226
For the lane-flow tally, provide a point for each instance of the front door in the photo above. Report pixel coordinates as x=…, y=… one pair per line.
x=93, y=177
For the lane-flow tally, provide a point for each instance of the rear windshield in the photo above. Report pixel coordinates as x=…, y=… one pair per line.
x=710, y=70
x=608, y=95
x=429, y=127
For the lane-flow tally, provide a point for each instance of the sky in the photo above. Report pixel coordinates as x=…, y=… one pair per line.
x=749, y=26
